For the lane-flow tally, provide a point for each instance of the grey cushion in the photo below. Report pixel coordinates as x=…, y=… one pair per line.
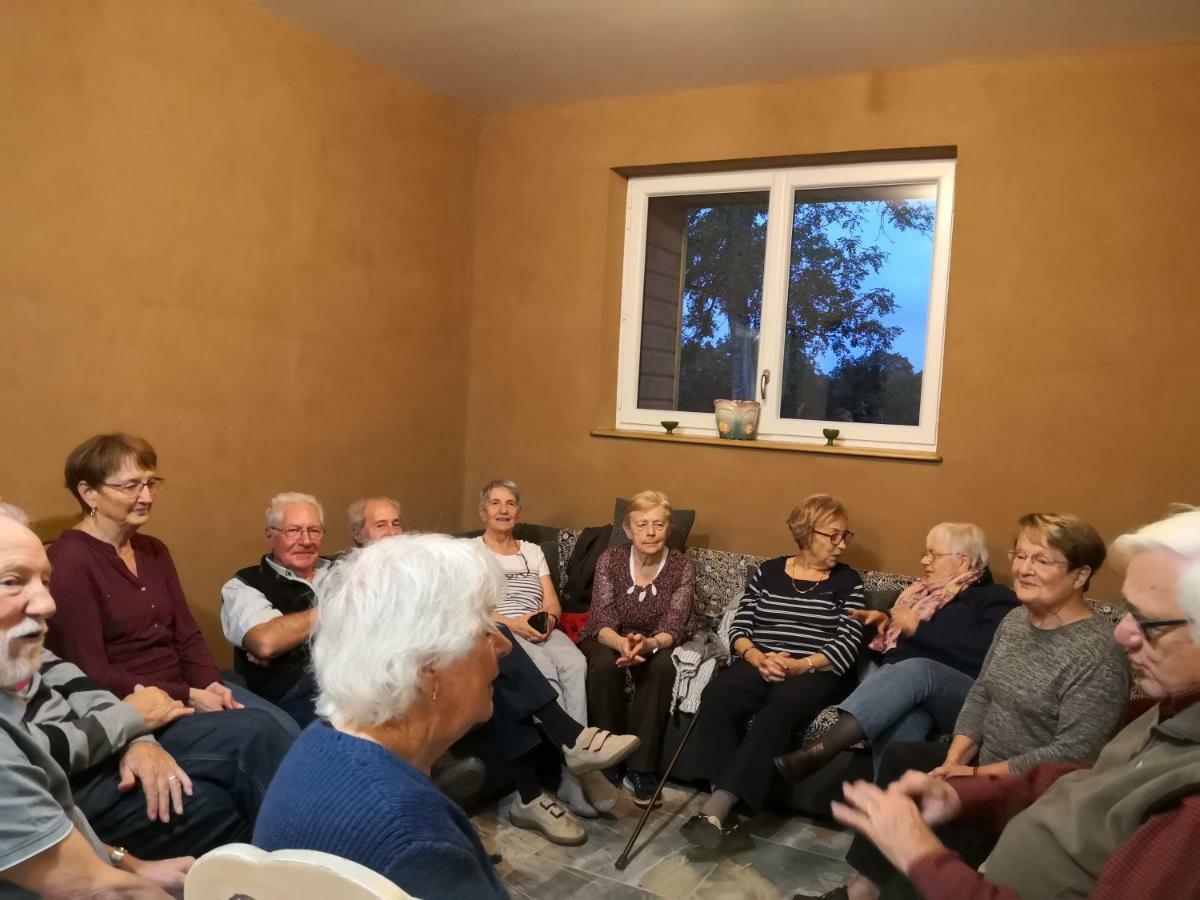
x=682, y=521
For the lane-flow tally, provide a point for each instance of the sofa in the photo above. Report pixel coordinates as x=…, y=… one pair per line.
x=721, y=579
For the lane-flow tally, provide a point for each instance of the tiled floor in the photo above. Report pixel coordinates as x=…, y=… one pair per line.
x=789, y=855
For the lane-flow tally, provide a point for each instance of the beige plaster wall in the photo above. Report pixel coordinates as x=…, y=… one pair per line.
x=228, y=236
x=1070, y=363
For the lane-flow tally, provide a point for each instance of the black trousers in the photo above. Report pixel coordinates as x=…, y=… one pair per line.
x=970, y=840
x=646, y=716
x=518, y=692
x=743, y=765
x=230, y=756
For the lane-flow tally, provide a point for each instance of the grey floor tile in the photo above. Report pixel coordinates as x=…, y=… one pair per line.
x=803, y=834
x=790, y=854
x=770, y=871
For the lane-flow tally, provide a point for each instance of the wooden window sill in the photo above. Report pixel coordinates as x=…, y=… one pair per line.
x=836, y=450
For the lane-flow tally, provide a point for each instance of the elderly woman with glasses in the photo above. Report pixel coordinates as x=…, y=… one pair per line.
x=122, y=616
x=405, y=652
x=641, y=607
x=1053, y=687
x=929, y=647
x=796, y=640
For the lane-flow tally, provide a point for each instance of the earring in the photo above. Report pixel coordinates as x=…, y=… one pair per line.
x=91, y=512
x=433, y=699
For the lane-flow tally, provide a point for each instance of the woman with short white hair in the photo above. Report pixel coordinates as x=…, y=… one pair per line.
x=404, y=654
x=929, y=647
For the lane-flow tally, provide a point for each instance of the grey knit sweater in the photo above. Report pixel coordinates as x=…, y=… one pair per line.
x=1046, y=695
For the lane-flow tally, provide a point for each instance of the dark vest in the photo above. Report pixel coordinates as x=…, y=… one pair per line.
x=288, y=596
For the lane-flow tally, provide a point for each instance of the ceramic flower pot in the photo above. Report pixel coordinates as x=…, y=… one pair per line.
x=737, y=420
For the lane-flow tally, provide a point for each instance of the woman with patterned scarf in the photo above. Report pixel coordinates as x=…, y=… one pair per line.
x=929, y=648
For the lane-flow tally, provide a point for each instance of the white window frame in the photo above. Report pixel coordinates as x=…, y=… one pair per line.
x=781, y=185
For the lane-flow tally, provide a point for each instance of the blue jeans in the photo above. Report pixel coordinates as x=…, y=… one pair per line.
x=230, y=756
x=908, y=701
x=251, y=700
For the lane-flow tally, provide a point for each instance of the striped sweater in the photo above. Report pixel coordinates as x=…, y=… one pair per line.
x=75, y=720
x=782, y=615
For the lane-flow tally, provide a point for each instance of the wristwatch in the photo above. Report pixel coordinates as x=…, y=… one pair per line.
x=116, y=856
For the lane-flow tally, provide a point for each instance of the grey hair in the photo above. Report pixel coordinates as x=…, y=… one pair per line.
x=486, y=494
x=279, y=501
x=964, y=538
x=357, y=511
x=8, y=511
x=399, y=606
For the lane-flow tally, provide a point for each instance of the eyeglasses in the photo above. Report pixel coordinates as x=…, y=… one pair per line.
x=134, y=488
x=930, y=554
x=1153, y=629
x=836, y=537
x=294, y=532
x=1041, y=563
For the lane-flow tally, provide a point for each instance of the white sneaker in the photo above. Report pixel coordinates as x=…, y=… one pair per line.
x=545, y=815
x=598, y=749
x=570, y=792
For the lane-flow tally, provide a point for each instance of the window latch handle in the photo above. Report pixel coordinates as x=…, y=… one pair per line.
x=763, y=382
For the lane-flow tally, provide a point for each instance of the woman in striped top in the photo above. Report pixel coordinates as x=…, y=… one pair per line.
x=796, y=643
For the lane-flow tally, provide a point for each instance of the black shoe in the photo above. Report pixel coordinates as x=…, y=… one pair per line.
x=642, y=785
x=713, y=843
x=459, y=779
x=796, y=766
x=703, y=831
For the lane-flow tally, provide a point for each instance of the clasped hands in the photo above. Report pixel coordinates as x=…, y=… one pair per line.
x=902, y=616
x=775, y=667
x=900, y=819
x=634, y=648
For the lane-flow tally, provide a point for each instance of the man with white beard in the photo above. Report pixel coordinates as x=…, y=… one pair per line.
x=47, y=847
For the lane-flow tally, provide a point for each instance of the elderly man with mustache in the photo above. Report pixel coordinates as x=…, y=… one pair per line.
x=47, y=847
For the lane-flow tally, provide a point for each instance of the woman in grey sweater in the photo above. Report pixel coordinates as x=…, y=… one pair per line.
x=1053, y=688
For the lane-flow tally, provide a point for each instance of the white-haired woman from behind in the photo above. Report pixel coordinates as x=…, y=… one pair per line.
x=404, y=655
x=930, y=647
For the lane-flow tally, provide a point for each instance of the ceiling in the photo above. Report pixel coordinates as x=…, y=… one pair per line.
x=500, y=54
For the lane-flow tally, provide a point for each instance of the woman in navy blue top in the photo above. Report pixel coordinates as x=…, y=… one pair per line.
x=404, y=654
x=930, y=647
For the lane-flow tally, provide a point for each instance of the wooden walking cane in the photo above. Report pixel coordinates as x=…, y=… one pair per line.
x=623, y=859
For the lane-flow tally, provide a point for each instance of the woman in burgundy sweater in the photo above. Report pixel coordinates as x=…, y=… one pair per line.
x=122, y=616
x=641, y=608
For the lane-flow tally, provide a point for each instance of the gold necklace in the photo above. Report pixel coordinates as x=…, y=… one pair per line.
x=796, y=587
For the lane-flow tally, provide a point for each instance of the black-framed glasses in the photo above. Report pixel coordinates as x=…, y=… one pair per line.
x=1153, y=629
x=836, y=537
x=294, y=532
x=134, y=487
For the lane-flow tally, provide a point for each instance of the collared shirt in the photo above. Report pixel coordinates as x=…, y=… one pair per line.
x=244, y=607
x=36, y=808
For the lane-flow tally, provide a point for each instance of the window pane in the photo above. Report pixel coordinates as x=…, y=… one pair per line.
x=858, y=300
x=702, y=299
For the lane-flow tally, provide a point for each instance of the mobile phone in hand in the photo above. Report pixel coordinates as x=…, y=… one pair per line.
x=539, y=622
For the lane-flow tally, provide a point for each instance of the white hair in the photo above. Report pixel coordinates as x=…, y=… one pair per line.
x=279, y=501
x=399, y=606
x=965, y=538
x=14, y=512
x=1178, y=533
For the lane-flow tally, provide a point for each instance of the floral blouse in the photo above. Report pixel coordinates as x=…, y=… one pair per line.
x=663, y=606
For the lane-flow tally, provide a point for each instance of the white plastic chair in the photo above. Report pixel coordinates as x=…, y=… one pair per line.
x=243, y=872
